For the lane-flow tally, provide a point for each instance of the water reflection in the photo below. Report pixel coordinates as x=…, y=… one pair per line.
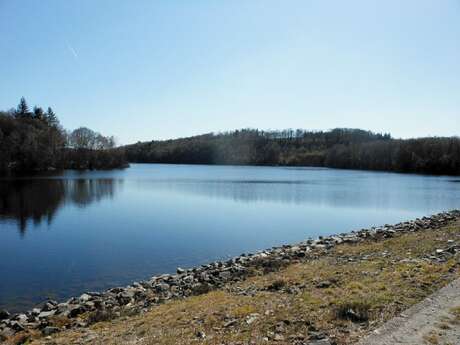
x=393, y=191
x=38, y=200
x=83, y=192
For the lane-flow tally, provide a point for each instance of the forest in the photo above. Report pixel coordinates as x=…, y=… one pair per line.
x=338, y=148
x=34, y=141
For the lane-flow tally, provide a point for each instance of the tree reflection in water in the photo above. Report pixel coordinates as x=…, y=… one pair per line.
x=38, y=200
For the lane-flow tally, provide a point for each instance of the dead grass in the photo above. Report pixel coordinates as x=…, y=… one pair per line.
x=277, y=285
x=456, y=314
x=364, y=294
x=431, y=338
x=356, y=311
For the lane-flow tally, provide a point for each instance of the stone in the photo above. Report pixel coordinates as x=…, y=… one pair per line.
x=225, y=275
x=17, y=326
x=46, y=314
x=85, y=298
x=201, y=335
x=230, y=323
x=49, y=305
x=180, y=270
x=278, y=337
x=49, y=330
x=125, y=297
x=62, y=308
x=6, y=332
x=22, y=318
x=162, y=287
x=116, y=290
x=76, y=310
x=4, y=315
x=252, y=318
x=316, y=335
x=324, y=284
x=188, y=279
x=320, y=342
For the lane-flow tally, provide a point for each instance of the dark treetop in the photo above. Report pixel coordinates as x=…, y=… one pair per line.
x=33, y=141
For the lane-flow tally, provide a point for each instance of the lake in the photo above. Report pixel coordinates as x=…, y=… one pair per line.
x=65, y=234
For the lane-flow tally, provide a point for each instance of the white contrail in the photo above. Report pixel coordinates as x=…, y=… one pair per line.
x=72, y=51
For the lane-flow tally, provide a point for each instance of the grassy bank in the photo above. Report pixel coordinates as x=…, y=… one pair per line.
x=335, y=297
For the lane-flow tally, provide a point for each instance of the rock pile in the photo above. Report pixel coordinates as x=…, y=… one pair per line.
x=91, y=307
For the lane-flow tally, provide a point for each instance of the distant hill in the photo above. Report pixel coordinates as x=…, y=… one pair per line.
x=338, y=148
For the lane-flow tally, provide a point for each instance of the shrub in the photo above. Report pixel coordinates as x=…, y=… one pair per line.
x=355, y=311
x=277, y=285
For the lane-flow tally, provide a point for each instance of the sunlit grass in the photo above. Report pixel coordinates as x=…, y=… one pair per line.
x=362, y=293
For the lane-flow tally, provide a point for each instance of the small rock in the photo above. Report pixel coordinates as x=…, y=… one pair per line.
x=230, y=323
x=251, y=318
x=225, y=275
x=75, y=311
x=49, y=330
x=50, y=305
x=46, y=314
x=201, y=335
x=21, y=318
x=85, y=298
x=162, y=287
x=6, y=333
x=278, y=337
x=324, y=284
x=188, y=279
x=18, y=327
x=4, y=315
x=316, y=335
x=321, y=342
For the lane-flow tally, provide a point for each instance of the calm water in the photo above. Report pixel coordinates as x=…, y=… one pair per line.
x=62, y=235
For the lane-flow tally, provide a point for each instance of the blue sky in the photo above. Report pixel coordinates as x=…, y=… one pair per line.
x=146, y=69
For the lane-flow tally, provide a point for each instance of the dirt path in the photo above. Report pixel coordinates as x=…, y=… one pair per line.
x=436, y=320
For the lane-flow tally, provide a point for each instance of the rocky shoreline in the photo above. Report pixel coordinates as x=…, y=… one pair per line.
x=90, y=307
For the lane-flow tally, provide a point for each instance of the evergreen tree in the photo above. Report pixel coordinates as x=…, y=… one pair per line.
x=23, y=108
x=51, y=117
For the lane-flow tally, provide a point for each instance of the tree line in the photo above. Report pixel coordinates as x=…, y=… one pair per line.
x=338, y=148
x=34, y=141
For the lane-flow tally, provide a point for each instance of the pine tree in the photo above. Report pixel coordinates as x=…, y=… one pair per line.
x=51, y=117
x=23, y=108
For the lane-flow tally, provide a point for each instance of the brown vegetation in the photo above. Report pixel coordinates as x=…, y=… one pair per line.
x=339, y=297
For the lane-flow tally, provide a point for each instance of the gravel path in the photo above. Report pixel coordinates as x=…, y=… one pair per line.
x=429, y=322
